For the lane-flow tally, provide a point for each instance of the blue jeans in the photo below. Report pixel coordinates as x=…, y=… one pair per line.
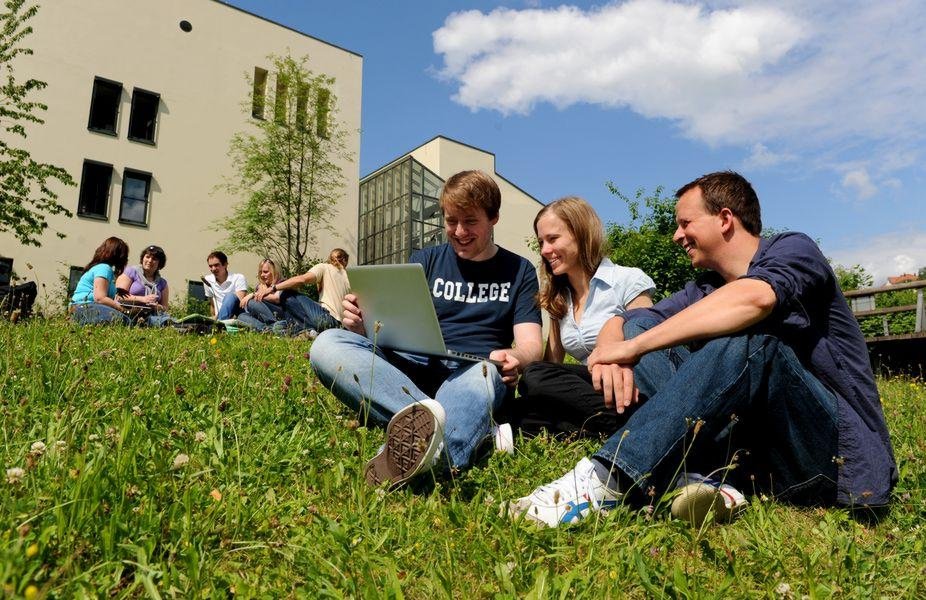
x=306, y=313
x=230, y=307
x=748, y=391
x=378, y=383
x=98, y=314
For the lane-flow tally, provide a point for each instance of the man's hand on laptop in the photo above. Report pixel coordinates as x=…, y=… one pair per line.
x=509, y=367
x=352, y=318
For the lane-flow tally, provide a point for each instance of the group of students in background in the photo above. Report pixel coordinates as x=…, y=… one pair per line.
x=109, y=291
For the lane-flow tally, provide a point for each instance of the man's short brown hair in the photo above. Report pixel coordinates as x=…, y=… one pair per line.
x=471, y=189
x=728, y=189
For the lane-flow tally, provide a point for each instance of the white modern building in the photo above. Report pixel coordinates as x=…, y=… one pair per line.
x=143, y=99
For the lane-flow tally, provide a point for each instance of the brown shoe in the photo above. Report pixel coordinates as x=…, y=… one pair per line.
x=414, y=440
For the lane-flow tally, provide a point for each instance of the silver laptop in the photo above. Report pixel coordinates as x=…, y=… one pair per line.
x=397, y=298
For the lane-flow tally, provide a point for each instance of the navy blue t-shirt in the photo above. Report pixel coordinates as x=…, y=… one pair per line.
x=813, y=318
x=478, y=303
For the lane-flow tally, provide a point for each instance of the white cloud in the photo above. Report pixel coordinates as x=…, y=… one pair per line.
x=761, y=157
x=859, y=183
x=883, y=256
x=847, y=77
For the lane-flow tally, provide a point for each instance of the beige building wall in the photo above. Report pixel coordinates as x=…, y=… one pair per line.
x=204, y=99
x=515, y=225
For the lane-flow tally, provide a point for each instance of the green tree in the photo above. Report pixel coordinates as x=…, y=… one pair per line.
x=289, y=169
x=26, y=194
x=852, y=278
x=647, y=243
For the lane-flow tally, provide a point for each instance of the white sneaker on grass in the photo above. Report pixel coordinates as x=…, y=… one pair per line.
x=699, y=496
x=414, y=440
x=503, y=437
x=569, y=499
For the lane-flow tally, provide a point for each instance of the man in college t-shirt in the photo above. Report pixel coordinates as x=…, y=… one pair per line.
x=484, y=297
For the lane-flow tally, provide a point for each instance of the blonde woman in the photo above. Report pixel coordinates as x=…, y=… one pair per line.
x=581, y=290
x=333, y=285
x=266, y=311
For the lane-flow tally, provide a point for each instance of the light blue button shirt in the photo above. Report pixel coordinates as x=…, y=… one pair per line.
x=611, y=289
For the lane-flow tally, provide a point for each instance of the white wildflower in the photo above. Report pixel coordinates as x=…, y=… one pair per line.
x=784, y=590
x=180, y=461
x=200, y=436
x=38, y=448
x=14, y=475
x=93, y=437
x=61, y=445
x=136, y=410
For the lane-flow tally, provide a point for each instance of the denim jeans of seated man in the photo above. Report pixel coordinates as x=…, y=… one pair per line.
x=230, y=307
x=378, y=383
x=98, y=314
x=306, y=313
x=746, y=391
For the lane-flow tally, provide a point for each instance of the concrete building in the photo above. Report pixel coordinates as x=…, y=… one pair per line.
x=143, y=98
x=400, y=211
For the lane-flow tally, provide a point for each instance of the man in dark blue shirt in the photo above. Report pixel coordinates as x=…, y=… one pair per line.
x=484, y=297
x=776, y=366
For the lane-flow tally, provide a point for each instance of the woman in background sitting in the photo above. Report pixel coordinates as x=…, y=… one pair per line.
x=333, y=285
x=258, y=314
x=143, y=284
x=580, y=289
x=94, y=299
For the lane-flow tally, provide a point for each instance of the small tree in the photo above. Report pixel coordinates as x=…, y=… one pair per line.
x=288, y=170
x=647, y=242
x=26, y=196
x=852, y=278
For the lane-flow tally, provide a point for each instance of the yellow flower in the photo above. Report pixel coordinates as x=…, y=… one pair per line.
x=32, y=550
x=31, y=592
x=213, y=341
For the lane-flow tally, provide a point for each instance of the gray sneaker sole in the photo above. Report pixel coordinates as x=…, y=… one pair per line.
x=408, y=439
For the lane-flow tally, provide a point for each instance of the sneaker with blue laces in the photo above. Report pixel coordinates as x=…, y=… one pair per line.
x=698, y=496
x=414, y=440
x=567, y=500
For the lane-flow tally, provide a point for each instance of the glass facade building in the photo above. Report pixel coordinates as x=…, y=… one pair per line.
x=399, y=213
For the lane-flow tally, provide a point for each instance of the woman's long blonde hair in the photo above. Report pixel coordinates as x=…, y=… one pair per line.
x=273, y=270
x=586, y=228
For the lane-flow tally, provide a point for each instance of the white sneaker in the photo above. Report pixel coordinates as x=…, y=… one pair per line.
x=414, y=440
x=698, y=496
x=503, y=437
x=568, y=499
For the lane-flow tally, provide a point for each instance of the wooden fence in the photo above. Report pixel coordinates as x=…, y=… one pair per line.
x=863, y=305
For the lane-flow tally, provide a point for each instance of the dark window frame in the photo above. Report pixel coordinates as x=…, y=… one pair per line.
x=136, y=174
x=94, y=106
x=137, y=95
x=81, y=205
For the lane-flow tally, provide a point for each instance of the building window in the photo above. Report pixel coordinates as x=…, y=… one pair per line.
x=302, y=102
x=74, y=275
x=104, y=105
x=260, y=93
x=279, y=100
x=134, y=206
x=144, y=116
x=321, y=113
x=94, y=189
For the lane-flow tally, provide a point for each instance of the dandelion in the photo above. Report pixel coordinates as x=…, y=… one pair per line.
x=37, y=449
x=14, y=475
x=180, y=461
x=213, y=341
x=30, y=592
x=200, y=436
x=32, y=550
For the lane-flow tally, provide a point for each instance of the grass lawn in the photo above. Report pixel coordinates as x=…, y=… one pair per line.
x=148, y=463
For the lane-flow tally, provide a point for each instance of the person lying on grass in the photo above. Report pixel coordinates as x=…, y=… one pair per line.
x=777, y=366
x=433, y=407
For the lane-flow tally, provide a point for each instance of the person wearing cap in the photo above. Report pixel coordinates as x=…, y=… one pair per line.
x=143, y=283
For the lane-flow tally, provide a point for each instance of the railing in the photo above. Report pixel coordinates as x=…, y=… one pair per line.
x=863, y=305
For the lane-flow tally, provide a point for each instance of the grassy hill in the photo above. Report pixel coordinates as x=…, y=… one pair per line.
x=149, y=463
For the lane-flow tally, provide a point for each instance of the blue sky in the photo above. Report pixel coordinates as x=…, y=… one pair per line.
x=822, y=107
